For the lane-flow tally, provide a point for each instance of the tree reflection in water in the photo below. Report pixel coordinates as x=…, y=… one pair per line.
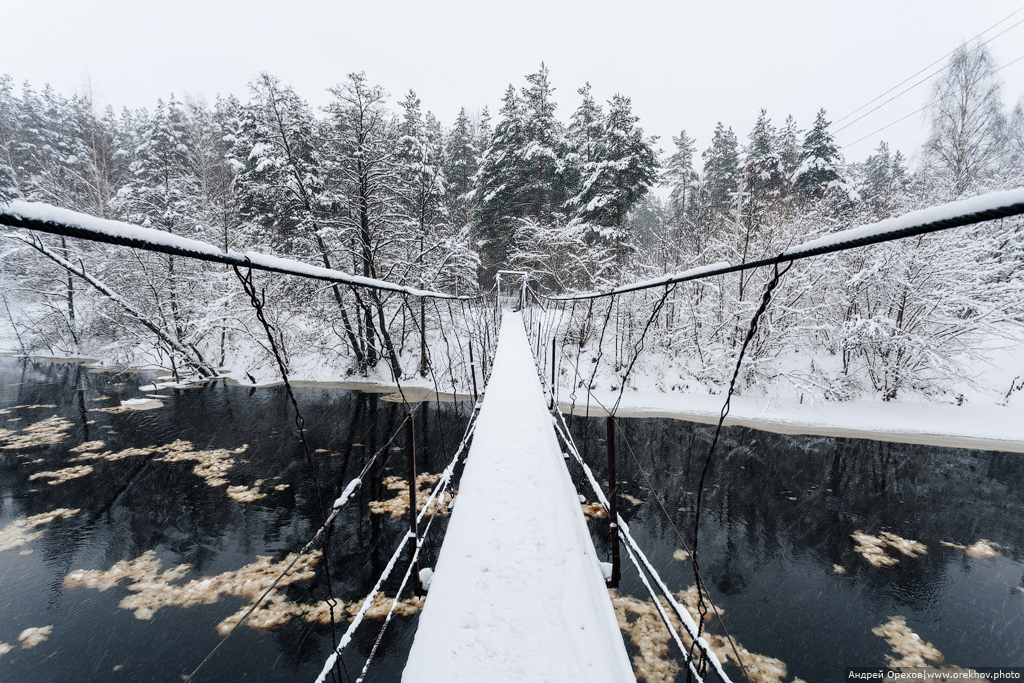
x=777, y=541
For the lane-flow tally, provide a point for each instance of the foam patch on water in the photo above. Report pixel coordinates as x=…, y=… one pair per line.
x=31, y=637
x=213, y=464
x=980, y=549
x=5, y=648
x=17, y=534
x=244, y=494
x=62, y=475
x=46, y=432
x=657, y=660
x=152, y=589
x=87, y=446
x=872, y=548
x=399, y=505
x=8, y=411
x=911, y=648
x=112, y=456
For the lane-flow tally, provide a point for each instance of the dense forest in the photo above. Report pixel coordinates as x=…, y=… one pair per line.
x=384, y=189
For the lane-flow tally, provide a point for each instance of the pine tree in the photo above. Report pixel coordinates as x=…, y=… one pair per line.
x=544, y=149
x=587, y=151
x=161, y=189
x=721, y=169
x=420, y=158
x=10, y=181
x=678, y=174
x=763, y=164
x=282, y=184
x=633, y=158
x=883, y=175
x=820, y=162
x=788, y=145
x=502, y=173
x=460, y=168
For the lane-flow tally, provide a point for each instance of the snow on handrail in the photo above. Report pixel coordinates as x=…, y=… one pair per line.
x=978, y=209
x=942, y=217
x=46, y=218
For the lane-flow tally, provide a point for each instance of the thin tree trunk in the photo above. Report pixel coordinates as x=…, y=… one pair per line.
x=71, y=294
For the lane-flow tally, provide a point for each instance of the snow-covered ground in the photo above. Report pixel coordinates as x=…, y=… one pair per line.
x=987, y=427
x=976, y=414
x=517, y=593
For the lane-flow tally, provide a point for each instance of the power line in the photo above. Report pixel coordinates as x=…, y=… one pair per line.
x=904, y=118
x=930, y=76
x=926, y=78
x=931, y=65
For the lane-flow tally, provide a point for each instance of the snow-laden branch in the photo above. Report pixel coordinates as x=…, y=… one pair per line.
x=190, y=356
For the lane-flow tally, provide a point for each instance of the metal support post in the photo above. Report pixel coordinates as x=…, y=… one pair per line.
x=423, y=335
x=613, y=512
x=552, y=373
x=472, y=370
x=410, y=453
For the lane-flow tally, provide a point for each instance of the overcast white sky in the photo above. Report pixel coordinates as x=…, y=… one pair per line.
x=685, y=64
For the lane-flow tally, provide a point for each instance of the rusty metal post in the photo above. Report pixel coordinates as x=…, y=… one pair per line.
x=613, y=512
x=410, y=453
x=472, y=369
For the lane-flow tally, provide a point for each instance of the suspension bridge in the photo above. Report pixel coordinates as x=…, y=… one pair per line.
x=518, y=591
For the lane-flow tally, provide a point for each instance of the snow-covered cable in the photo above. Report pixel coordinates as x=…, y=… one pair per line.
x=664, y=617
x=441, y=487
x=627, y=538
x=339, y=504
x=442, y=484
x=978, y=209
x=346, y=638
x=51, y=219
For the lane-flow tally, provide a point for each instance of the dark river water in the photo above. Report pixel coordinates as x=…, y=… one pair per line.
x=777, y=530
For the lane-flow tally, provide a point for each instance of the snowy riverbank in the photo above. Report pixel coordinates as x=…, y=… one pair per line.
x=986, y=427
x=987, y=420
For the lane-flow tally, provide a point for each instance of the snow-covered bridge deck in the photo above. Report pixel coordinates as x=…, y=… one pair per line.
x=517, y=593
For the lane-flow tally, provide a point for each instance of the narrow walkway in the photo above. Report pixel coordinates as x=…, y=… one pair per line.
x=517, y=593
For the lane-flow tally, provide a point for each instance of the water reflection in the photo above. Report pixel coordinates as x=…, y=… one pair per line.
x=161, y=526
x=783, y=527
x=185, y=499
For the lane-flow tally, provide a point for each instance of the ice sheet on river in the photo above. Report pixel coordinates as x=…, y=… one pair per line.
x=517, y=593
